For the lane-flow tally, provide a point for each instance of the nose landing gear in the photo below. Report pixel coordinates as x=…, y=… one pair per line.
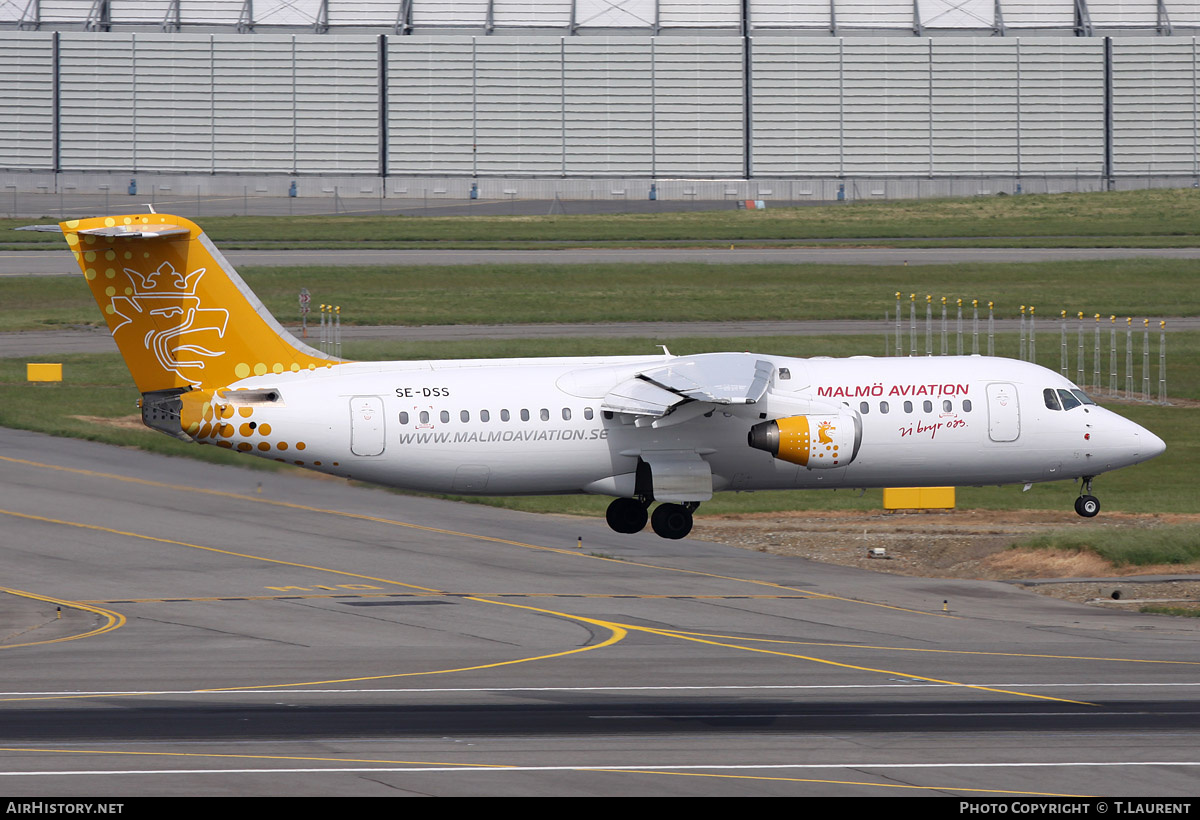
x=1087, y=505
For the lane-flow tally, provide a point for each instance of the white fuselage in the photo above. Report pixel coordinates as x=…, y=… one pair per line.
x=537, y=426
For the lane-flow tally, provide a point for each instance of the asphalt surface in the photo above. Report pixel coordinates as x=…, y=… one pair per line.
x=67, y=205
x=227, y=631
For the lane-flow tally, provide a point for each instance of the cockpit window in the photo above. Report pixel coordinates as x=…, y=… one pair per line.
x=1051, y=399
x=1083, y=397
x=1068, y=399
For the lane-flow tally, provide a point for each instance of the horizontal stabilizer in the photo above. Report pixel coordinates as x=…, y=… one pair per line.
x=137, y=231
x=123, y=231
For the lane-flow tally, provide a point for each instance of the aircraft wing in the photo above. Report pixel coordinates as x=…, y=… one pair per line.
x=712, y=378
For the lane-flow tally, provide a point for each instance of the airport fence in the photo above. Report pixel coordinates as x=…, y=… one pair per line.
x=1116, y=359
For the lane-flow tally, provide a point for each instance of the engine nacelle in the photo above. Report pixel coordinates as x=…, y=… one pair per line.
x=814, y=441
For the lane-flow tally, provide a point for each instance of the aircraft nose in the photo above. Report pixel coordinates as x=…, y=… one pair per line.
x=1150, y=444
x=1142, y=445
x=1125, y=442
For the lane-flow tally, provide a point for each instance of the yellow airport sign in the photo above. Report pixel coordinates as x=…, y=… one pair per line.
x=43, y=371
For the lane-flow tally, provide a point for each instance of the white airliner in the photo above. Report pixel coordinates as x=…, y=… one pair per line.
x=213, y=366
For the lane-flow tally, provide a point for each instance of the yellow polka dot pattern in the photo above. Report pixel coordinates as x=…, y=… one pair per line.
x=215, y=424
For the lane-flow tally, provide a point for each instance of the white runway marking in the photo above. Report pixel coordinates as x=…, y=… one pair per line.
x=622, y=767
x=486, y=689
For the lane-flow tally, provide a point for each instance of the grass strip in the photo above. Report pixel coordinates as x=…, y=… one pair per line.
x=678, y=292
x=1149, y=213
x=1166, y=544
x=1153, y=609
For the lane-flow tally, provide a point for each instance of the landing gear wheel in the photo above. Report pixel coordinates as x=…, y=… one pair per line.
x=627, y=515
x=1087, y=506
x=672, y=521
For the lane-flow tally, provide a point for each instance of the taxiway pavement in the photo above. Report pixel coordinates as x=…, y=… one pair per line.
x=231, y=631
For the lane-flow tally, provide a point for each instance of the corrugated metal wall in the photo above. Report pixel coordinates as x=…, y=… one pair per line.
x=933, y=107
x=518, y=107
x=431, y=105
x=204, y=103
x=559, y=106
x=609, y=107
x=976, y=102
x=97, y=101
x=1061, y=106
x=27, y=101
x=1155, y=105
x=698, y=107
x=471, y=105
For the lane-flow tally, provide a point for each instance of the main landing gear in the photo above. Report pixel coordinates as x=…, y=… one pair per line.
x=1087, y=504
x=628, y=515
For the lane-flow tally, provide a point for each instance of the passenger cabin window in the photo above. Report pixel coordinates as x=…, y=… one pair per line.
x=503, y=415
x=444, y=416
x=947, y=406
x=587, y=413
x=544, y=414
x=464, y=416
x=966, y=405
x=566, y=413
x=424, y=417
x=884, y=407
x=784, y=374
x=864, y=408
x=403, y=417
x=524, y=414
x=908, y=407
x=927, y=406
x=484, y=415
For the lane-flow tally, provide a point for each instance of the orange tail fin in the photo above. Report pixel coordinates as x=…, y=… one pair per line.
x=180, y=314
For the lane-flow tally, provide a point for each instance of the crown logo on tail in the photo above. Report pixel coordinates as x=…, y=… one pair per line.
x=178, y=329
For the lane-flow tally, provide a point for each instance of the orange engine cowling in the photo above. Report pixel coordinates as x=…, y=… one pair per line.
x=813, y=441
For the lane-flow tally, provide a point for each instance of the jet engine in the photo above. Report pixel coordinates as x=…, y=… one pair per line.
x=813, y=441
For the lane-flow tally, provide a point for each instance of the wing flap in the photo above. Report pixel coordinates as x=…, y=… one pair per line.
x=641, y=398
